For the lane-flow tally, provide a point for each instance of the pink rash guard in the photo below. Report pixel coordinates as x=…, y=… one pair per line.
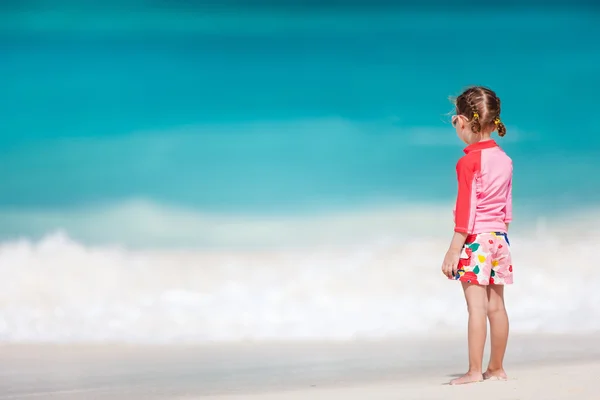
x=484, y=201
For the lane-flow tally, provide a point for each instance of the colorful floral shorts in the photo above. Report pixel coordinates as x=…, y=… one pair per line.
x=485, y=260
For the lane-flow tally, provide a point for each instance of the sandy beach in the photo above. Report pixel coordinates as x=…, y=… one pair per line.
x=547, y=367
x=576, y=381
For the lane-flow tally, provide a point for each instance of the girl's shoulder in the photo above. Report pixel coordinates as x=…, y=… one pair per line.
x=469, y=161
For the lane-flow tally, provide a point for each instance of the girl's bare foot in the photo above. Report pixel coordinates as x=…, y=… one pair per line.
x=495, y=374
x=469, y=377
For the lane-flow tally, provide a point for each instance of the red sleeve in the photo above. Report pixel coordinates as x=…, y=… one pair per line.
x=508, y=206
x=467, y=169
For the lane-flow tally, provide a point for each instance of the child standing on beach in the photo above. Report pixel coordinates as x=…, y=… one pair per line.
x=479, y=254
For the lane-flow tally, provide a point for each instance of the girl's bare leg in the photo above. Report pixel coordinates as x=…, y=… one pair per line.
x=477, y=302
x=498, y=332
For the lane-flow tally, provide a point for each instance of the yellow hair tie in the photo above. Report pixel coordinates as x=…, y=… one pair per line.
x=475, y=116
x=497, y=121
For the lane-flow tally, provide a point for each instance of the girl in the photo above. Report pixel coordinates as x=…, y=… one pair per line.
x=479, y=254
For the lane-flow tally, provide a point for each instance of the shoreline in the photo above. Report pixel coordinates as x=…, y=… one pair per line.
x=188, y=371
x=548, y=381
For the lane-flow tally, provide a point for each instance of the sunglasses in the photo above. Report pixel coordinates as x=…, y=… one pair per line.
x=455, y=119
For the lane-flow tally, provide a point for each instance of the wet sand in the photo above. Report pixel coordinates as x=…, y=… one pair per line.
x=549, y=367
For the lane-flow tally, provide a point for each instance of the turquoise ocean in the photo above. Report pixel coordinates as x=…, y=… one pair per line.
x=186, y=173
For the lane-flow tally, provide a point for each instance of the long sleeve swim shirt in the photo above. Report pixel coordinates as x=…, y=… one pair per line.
x=484, y=201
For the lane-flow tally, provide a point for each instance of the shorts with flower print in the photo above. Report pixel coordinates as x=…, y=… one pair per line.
x=485, y=260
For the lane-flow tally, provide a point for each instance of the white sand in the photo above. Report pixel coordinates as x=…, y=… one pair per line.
x=541, y=367
x=578, y=381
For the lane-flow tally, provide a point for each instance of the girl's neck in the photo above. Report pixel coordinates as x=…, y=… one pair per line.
x=483, y=138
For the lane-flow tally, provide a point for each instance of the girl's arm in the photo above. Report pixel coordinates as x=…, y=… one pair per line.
x=466, y=199
x=458, y=241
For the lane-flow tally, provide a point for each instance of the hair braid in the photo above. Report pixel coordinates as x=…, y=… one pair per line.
x=499, y=125
x=475, y=125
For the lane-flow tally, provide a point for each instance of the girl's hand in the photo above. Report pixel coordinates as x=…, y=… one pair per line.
x=450, y=264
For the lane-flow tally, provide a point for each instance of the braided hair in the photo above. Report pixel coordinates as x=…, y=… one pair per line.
x=481, y=107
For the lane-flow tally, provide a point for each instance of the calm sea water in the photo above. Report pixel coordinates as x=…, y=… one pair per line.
x=254, y=112
x=229, y=128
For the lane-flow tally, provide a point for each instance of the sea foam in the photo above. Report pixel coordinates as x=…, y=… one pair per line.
x=58, y=290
